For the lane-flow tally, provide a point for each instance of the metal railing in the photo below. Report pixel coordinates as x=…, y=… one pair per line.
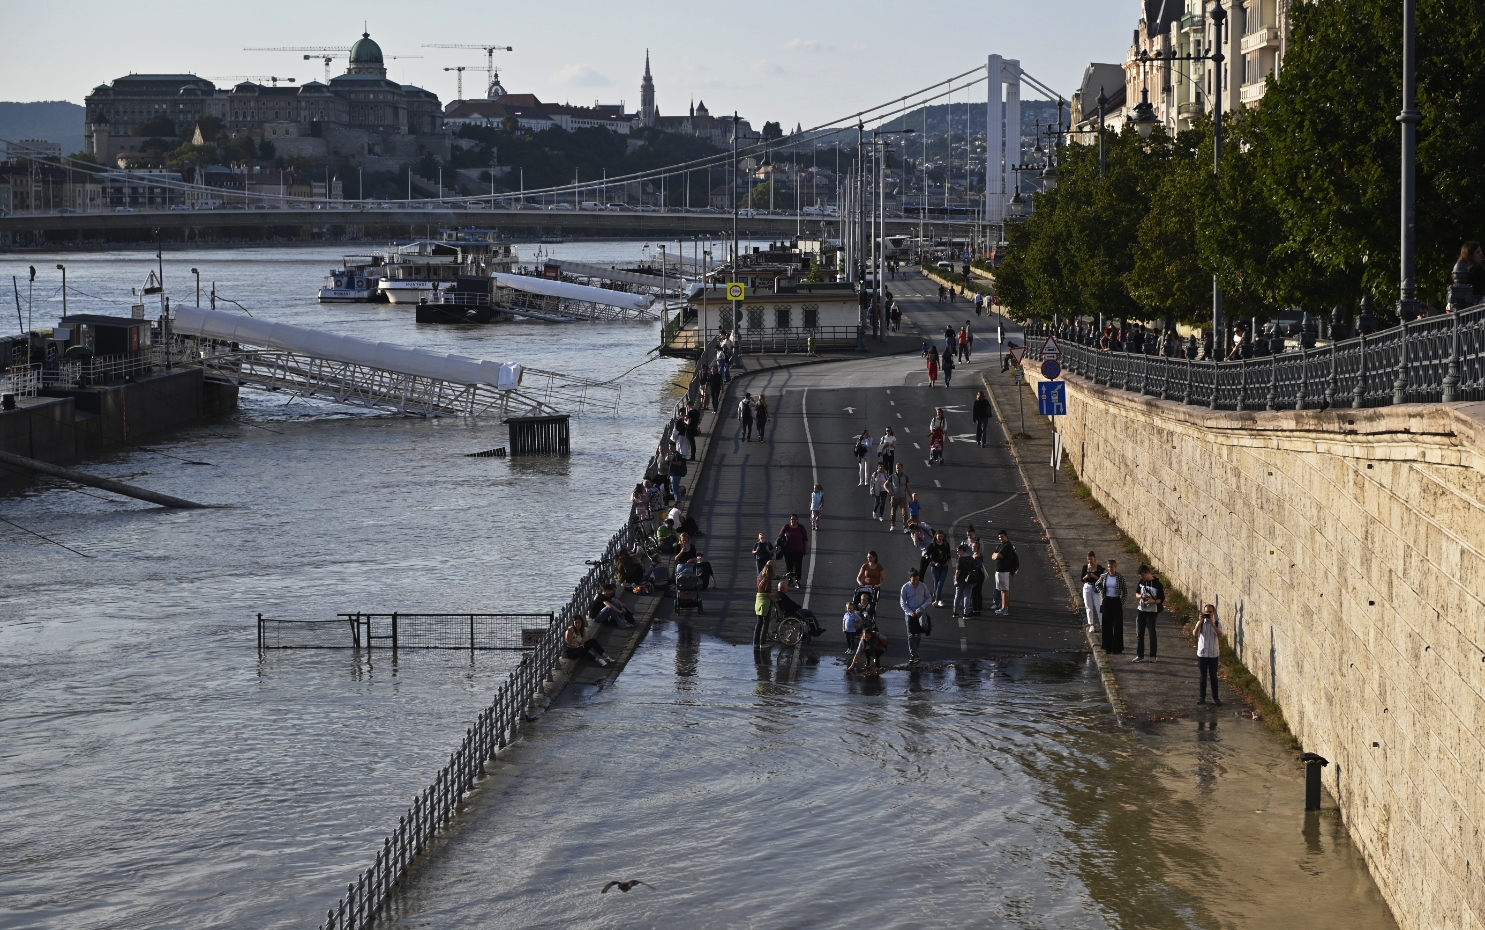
x=495, y=728
x=105, y=369
x=474, y=632
x=1432, y=360
x=757, y=341
x=21, y=380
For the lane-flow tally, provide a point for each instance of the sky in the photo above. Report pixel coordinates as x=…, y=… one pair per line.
x=769, y=60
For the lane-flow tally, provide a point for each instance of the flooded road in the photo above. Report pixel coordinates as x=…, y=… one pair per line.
x=770, y=794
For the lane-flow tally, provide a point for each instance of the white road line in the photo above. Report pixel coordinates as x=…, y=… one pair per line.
x=961, y=623
x=946, y=505
x=804, y=410
x=936, y=483
x=892, y=402
x=899, y=416
x=963, y=644
x=916, y=446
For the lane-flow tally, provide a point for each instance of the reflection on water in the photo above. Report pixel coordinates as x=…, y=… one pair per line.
x=767, y=790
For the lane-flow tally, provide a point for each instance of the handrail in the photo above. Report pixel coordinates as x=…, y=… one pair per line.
x=1437, y=359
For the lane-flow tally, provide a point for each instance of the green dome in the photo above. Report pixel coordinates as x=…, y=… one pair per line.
x=365, y=51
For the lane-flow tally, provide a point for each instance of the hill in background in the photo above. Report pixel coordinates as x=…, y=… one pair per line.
x=53, y=120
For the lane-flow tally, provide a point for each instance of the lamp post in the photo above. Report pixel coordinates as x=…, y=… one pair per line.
x=880, y=247
x=1407, y=297
x=1102, y=102
x=63, y=269
x=198, y=287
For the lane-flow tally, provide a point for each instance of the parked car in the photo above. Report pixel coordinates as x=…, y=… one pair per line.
x=174, y=208
x=124, y=210
x=560, y=206
x=70, y=210
x=234, y=206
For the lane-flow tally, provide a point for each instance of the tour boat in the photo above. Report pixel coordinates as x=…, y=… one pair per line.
x=353, y=282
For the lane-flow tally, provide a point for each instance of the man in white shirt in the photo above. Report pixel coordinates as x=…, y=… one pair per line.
x=1208, y=650
x=914, y=599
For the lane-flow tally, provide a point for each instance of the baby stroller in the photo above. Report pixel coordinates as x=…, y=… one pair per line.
x=936, y=447
x=866, y=603
x=688, y=588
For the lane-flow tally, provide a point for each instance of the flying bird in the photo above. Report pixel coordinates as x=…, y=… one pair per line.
x=625, y=886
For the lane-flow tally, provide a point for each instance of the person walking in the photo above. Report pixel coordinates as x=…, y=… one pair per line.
x=966, y=341
x=693, y=430
x=763, y=603
x=745, y=417
x=948, y=369
x=887, y=448
x=939, y=421
x=714, y=388
x=932, y=365
x=951, y=341
x=1092, y=571
x=976, y=550
x=1007, y=563
x=981, y=413
x=677, y=471
x=938, y=554
x=1150, y=595
x=1208, y=651
x=881, y=488
x=760, y=415
x=900, y=488
x=794, y=540
x=1111, y=610
x=914, y=600
x=862, y=451
x=964, y=586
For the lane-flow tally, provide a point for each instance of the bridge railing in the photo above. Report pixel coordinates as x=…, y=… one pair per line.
x=1432, y=360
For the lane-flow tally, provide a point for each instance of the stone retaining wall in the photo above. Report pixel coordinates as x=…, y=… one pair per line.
x=1348, y=550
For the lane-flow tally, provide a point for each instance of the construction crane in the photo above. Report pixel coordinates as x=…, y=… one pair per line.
x=326, y=53
x=494, y=90
x=255, y=78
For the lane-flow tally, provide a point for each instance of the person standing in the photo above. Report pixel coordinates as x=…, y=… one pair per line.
x=1092, y=571
x=763, y=603
x=932, y=365
x=938, y=555
x=1150, y=595
x=862, y=451
x=972, y=539
x=900, y=488
x=714, y=386
x=745, y=417
x=796, y=544
x=850, y=624
x=693, y=430
x=887, y=448
x=964, y=585
x=1111, y=611
x=677, y=471
x=763, y=552
x=1208, y=651
x=914, y=600
x=948, y=369
x=981, y=413
x=966, y=342
x=1007, y=563
x=760, y=415
x=881, y=488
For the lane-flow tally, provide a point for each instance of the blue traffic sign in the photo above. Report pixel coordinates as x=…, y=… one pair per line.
x=1051, y=397
x=1051, y=368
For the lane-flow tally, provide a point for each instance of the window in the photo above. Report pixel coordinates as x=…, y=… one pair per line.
x=755, y=318
x=811, y=316
x=782, y=316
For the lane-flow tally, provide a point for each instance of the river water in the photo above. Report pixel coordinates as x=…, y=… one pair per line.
x=158, y=772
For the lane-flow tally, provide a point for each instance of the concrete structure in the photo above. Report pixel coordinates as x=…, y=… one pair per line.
x=536, y=116
x=1003, y=76
x=1347, y=548
x=359, y=115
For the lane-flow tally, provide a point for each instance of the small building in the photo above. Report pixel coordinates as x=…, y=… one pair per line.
x=778, y=315
x=104, y=335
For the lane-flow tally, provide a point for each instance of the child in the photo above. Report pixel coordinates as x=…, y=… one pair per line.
x=915, y=509
x=851, y=624
x=817, y=504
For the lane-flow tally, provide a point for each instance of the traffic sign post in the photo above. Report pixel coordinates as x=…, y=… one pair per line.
x=737, y=291
x=1051, y=368
x=1051, y=397
x=1050, y=349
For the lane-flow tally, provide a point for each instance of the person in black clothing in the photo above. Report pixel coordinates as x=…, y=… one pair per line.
x=763, y=552
x=981, y=413
x=1111, y=614
x=693, y=428
x=1471, y=254
x=1151, y=596
x=714, y=389
x=1007, y=563
x=608, y=608
x=938, y=553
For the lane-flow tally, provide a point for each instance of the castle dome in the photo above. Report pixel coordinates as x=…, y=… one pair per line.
x=366, y=51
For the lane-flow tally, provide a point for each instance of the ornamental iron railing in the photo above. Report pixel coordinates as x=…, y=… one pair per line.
x=1432, y=360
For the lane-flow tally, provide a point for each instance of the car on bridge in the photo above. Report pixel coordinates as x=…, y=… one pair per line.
x=124, y=210
x=560, y=206
x=617, y=207
x=64, y=210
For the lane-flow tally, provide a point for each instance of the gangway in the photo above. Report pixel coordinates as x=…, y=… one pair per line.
x=282, y=357
x=563, y=301
x=675, y=281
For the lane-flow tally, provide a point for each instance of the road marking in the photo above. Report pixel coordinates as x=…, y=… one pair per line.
x=946, y=504
x=899, y=416
x=916, y=446
x=907, y=429
x=936, y=483
x=889, y=391
x=847, y=409
x=892, y=402
x=961, y=623
x=963, y=644
x=804, y=412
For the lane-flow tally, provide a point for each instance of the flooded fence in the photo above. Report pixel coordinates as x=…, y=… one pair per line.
x=474, y=632
x=496, y=727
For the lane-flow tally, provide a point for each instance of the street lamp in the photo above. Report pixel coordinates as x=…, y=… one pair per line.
x=880, y=246
x=1144, y=119
x=198, y=287
x=1407, y=297
x=63, y=269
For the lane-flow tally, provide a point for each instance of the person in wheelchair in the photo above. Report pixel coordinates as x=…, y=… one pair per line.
x=789, y=607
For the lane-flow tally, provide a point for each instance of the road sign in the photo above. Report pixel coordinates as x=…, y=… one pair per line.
x=1016, y=353
x=737, y=291
x=1050, y=348
x=1051, y=397
x=1051, y=368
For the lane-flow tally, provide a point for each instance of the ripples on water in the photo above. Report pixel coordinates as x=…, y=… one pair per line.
x=155, y=771
x=776, y=795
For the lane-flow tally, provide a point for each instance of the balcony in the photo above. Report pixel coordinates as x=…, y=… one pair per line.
x=1265, y=37
x=1189, y=110
x=1252, y=93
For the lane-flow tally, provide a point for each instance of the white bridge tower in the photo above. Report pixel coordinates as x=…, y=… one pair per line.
x=1002, y=136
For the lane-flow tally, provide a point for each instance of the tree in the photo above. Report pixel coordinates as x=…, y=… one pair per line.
x=156, y=126
x=772, y=131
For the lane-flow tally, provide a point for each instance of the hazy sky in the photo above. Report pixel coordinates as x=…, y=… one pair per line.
x=787, y=61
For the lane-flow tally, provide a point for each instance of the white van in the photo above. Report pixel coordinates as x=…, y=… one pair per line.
x=208, y=204
x=591, y=205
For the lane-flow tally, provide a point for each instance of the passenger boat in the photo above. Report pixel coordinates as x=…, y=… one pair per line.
x=415, y=272
x=354, y=282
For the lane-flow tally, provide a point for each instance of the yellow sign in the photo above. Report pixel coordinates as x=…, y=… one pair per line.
x=736, y=291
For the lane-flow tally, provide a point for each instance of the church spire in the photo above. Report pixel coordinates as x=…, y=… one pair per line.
x=647, y=111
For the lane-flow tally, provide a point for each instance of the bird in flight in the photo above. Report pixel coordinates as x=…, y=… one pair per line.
x=625, y=886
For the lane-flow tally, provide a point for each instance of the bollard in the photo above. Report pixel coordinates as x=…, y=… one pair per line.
x=1313, y=765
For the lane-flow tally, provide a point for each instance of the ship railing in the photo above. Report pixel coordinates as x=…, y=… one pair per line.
x=21, y=380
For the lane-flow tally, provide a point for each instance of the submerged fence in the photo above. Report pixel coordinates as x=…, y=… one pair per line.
x=1432, y=360
x=474, y=632
x=495, y=728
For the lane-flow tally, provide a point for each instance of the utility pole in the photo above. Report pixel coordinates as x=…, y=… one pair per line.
x=1219, y=16
x=734, y=195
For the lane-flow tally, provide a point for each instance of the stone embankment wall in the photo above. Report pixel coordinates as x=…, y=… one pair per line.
x=1348, y=550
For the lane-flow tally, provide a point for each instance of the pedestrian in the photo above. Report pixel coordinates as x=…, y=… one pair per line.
x=817, y=506
x=915, y=508
x=794, y=540
x=932, y=365
x=745, y=417
x=981, y=413
x=760, y=415
x=763, y=552
x=677, y=471
x=875, y=315
x=972, y=539
x=914, y=600
x=948, y=369
x=1472, y=255
x=964, y=583
x=941, y=291
x=850, y=624
x=939, y=555
x=609, y=608
x=1007, y=563
x=979, y=304
x=951, y=341
x=693, y=430
x=1208, y=651
x=577, y=644
x=714, y=384
x=900, y=488
x=763, y=603
x=1092, y=571
x=1111, y=611
x=1150, y=595
x=966, y=342
x=881, y=491
x=862, y=451
x=887, y=448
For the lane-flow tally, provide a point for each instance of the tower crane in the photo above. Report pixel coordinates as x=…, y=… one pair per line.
x=492, y=91
x=326, y=53
x=329, y=57
x=255, y=78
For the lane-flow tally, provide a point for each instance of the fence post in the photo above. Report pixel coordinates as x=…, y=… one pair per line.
x=1216, y=374
x=1242, y=395
x=1304, y=375
x=1273, y=381
x=394, y=631
x=1400, y=386
x=1358, y=393
x=1186, y=397
x=1451, y=377
x=1330, y=383
x=260, y=632
x=471, y=637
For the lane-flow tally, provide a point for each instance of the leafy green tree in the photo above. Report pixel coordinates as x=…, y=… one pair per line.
x=772, y=131
x=198, y=155
x=156, y=126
